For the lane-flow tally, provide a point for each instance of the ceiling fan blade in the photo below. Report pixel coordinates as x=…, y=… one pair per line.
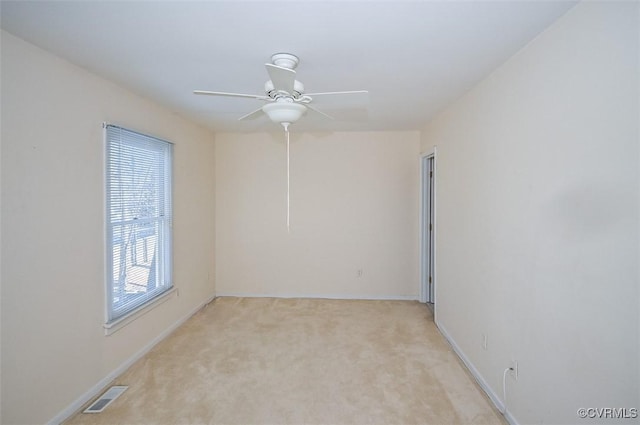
x=340, y=99
x=319, y=112
x=282, y=78
x=331, y=93
x=219, y=93
x=251, y=115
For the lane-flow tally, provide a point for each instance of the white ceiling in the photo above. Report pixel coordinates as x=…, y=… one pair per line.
x=413, y=57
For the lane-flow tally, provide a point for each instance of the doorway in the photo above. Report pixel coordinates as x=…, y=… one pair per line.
x=427, y=219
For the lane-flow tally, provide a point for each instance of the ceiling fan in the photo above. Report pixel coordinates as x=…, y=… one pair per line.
x=286, y=101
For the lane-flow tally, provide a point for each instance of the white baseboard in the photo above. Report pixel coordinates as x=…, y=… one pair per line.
x=104, y=382
x=324, y=296
x=476, y=374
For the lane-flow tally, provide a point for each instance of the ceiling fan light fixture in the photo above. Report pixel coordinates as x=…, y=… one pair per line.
x=284, y=112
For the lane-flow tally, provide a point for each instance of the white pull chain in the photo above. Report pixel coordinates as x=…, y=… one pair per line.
x=286, y=130
x=288, y=184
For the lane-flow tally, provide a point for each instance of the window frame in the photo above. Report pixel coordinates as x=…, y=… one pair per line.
x=163, y=218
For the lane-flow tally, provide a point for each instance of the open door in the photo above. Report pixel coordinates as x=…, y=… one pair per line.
x=428, y=227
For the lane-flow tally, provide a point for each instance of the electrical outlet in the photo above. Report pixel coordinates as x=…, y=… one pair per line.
x=484, y=342
x=513, y=370
x=359, y=273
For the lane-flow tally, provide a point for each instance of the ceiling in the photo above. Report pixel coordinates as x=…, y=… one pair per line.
x=413, y=57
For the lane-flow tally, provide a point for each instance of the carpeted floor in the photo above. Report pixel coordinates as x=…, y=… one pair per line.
x=300, y=361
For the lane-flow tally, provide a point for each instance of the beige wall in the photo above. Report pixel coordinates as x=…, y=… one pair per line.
x=354, y=205
x=53, y=345
x=537, y=207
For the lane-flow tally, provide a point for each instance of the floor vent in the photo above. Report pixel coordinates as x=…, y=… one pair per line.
x=105, y=399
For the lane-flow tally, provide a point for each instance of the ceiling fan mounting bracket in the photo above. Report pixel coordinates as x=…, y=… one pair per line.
x=285, y=60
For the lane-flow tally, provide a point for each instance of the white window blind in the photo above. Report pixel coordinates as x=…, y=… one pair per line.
x=138, y=219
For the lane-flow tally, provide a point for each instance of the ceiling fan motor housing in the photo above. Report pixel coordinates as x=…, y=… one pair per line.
x=298, y=89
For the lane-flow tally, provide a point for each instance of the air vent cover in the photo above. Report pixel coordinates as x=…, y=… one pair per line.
x=105, y=399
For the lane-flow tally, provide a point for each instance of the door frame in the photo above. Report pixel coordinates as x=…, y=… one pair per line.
x=425, y=296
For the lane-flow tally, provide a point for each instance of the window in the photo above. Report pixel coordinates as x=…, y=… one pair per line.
x=138, y=220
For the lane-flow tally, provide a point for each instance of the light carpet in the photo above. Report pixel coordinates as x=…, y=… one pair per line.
x=300, y=361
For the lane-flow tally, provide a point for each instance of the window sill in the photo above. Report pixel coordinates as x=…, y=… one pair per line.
x=121, y=322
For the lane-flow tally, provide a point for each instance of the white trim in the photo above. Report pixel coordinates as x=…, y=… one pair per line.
x=105, y=218
x=101, y=385
x=435, y=231
x=423, y=296
x=121, y=322
x=476, y=374
x=322, y=296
